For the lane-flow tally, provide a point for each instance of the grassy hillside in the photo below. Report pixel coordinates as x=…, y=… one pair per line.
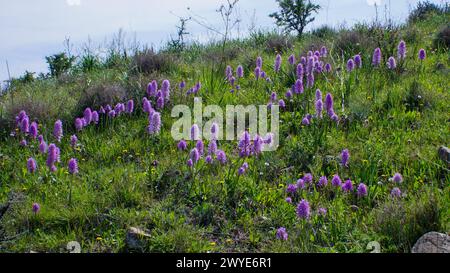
x=390, y=120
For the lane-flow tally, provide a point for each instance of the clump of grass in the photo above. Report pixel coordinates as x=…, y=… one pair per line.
x=402, y=222
x=148, y=61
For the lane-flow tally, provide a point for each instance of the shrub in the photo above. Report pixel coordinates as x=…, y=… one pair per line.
x=279, y=43
x=89, y=63
x=416, y=98
x=100, y=95
x=404, y=221
x=59, y=64
x=40, y=110
x=353, y=41
x=422, y=10
x=148, y=61
x=442, y=39
x=324, y=32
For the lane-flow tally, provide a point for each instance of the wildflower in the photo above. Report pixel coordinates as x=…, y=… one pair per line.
x=263, y=74
x=95, y=117
x=221, y=156
x=101, y=110
x=322, y=211
x=288, y=94
x=87, y=115
x=310, y=80
x=277, y=64
x=282, y=234
x=240, y=71
x=212, y=147
x=35, y=208
x=422, y=54
x=146, y=106
x=361, y=191
x=78, y=124
x=25, y=125
x=165, y=88
x=151, y=88
x=329, y=102
x=347, y=186
x=273, y=96
x=42, y=147
x=214, y=130
x=182, y=145
x=401, y=50
x=200, y=146
x=194, y=155
x=336, y=181
x=300, y=184
x=345, y=156
x=130, y=107
x=323, y=181
x=259, y=62
x=257, y=72
x=308, y=178
x=298, y=87
x=58, y=130
x=291, y=188
x=228, y=71
x=328, y=67
x=209, y=159
x=299, y=71
x=303, y=209
x=391, y=63
x=23, y=142
x=350, y=65
x=31, y=165
x=40, y=138
x=396, y=192
x=190, y=163
x=310, y=65
x=182, y=85
x=397, y=178
x=241, y=171
x=291, y=59
x=318, y=94
x=303, y=60
x=281, y=103
x=155, y=123
x=73, y=166
x=319, y=108
x=358, y=60
x=33, y=131
x=160, y=102
x=73, y=140
x=244, y=145
x=323, y=51
x=305, y=121
x=376, y=58
x=52, y=155
x=195, y=132
x=289, y=200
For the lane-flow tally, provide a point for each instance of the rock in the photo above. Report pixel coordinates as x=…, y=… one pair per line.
x=444, y=154
x=432, y=242
x=136, y=238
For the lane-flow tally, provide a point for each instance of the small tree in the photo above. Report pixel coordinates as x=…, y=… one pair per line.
x=294, y=15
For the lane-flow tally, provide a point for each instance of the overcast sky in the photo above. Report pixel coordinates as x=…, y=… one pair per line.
x=33, y=29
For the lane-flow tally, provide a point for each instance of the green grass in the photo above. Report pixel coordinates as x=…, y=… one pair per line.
x=119, y=185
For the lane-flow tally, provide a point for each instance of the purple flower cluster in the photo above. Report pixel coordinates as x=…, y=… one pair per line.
x=282, y=234
x=303, y=209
